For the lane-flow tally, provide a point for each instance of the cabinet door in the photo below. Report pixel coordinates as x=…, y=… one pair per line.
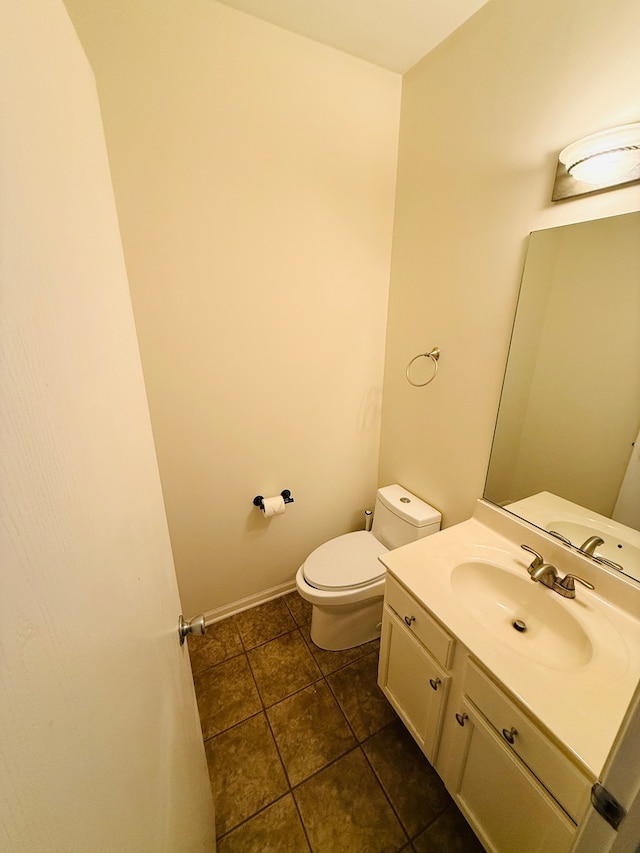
x=413, y=682
x=504, y=803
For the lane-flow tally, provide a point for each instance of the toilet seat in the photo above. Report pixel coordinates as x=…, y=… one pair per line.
x=347, y=562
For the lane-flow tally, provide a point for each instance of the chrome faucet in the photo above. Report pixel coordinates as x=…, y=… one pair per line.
x=541, y=571
x=589, y=548
x=546, y=574
x=590, y=545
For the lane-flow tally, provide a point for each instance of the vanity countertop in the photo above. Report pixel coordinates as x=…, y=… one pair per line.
x=581, y=702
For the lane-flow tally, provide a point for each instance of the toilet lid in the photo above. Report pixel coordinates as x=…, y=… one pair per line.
x=345, y=562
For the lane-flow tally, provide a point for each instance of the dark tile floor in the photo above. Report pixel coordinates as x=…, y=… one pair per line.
x=304, y=751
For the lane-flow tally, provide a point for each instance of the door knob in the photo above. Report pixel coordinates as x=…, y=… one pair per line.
x=193, y=626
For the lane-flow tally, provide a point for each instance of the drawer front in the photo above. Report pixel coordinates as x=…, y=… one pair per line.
x=568, y=783
x=423, y=626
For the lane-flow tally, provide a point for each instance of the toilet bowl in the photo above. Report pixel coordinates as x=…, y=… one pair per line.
x=343, y=578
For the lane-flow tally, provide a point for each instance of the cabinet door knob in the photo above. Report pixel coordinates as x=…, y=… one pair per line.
x=510, y=735
x=409, y=619
x=435, y=682
x=461, y=718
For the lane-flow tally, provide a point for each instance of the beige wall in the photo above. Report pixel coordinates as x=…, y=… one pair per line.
x=483, y=118
x=254, y=173
x=254, y=177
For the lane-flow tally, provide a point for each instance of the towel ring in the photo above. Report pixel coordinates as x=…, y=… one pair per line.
x=434, y=355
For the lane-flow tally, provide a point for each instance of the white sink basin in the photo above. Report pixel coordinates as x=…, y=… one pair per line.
x=522, y=614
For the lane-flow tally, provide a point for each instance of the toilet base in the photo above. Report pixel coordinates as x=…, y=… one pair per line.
x=339, y=627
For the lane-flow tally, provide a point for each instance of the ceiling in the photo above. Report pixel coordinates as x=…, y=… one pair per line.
x=393, y=34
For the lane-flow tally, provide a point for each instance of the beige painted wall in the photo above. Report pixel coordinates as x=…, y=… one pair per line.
x=254, y=173
x=483, y=118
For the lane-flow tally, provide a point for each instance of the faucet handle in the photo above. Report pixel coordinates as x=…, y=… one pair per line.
x=568, y=582
x=609, y=563
x=538, y=558
x=567, y=588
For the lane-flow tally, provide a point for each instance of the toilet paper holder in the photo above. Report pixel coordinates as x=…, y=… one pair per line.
x=285, y=494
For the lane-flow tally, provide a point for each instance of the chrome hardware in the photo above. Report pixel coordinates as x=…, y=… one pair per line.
x=434, y=355
x=510, y=735
x=605, y=562
x=193, y=626
x=546, y=574
x=540, y=571
x=461, y=718
x=538, y=561
x=435, y=683
x=589, y=546
x=567, y=588
x=409, y=620
x=368, y=520
x=560, y=537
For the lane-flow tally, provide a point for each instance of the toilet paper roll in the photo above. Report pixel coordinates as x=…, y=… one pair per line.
x=273, y=506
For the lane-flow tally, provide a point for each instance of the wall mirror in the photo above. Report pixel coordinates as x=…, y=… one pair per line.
x=566, y=449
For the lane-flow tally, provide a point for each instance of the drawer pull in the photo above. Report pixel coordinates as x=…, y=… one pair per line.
x=409, y=620
x=435, y=682
x=461, y=718
x=510, y=735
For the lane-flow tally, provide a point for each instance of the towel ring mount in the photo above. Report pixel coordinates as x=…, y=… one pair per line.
x=434, y=355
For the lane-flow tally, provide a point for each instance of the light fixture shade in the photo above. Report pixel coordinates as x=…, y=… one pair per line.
x=606, y=156
x=601, y=161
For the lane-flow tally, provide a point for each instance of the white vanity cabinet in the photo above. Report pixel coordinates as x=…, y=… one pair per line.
x=415, y=652
x=517, y=788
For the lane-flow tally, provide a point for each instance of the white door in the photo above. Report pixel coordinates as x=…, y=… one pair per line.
x=620, y=778
x=100, y=747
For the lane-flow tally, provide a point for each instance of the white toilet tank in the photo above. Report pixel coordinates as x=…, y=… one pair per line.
x=400, y=517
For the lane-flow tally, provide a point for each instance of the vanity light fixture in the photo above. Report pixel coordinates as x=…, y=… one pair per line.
x=599, y=162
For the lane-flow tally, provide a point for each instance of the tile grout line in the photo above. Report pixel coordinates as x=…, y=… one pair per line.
x=382, y=787
x=322, y=677
x=358, y=745
x=275, y=741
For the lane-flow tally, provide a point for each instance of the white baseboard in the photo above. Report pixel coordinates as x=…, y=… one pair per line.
x=220, y=613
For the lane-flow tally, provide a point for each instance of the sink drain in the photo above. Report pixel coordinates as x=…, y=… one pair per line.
x=519, y=625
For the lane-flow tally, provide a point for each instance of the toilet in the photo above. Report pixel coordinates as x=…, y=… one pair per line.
x=343, y=578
